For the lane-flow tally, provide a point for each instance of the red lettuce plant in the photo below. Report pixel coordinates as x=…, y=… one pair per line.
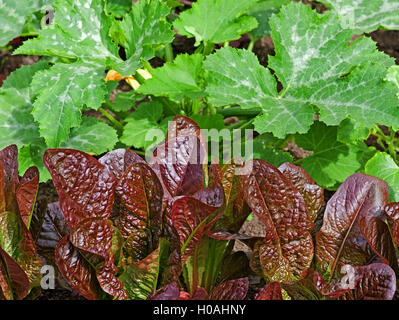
x=133, y=226
x=355, y=256
x=19, y=264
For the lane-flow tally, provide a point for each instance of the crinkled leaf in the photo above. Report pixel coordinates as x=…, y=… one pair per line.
x=13, y=16
x=384, y=167
x=95, y=236
x=141, y=193
x=178, y=165
x=311, y=287
x=331, y=161
x=339, y=240
x=392, y=211
x=191, y=218
x=84, y=185
x=365, y=16
x=205, y=22
x=93, y=135
x=26, y=194
x=316, y=68
x=271, y=291
x=9, y=165
x=168, y=292
x=231, y=290
x=375, y=281
x=287, y=249
x=311, y=192
x=177, y=80
x=140, y=278
x=117, y=161
x=76, y=270
x=16, y=240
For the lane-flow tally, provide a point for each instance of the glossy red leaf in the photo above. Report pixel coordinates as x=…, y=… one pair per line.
x=141, y=194
x=179, y=166
x=375, y=281
x=310, y=191
x=287, y=249
x=181, y=126
x=26, y=194
x=311, y=287
x=76, y=270
x=235, y=210
x=190, y=218
x=231, y=290
x=117, y=161
x=9, y=161
x=168, y=292
x=340, y=241
x=95, y=236
x=226, y=235
x=12, y=274
x=392, y=211
x=376, y=232
x=84, y=185
x=199, y=294
x=2, y=189
x=271, y=291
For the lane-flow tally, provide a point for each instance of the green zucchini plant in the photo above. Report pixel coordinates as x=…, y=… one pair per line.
x=319, y=89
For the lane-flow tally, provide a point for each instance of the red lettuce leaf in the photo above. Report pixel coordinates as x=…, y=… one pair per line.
x=235, y=210
x=310, y=191
x=168, y=292
x=17, y=241
x=179, y=166
x=26, y=194
x=95, y=236
x=375, y=281
x=85, y=186
x=9, y=162
x=76, y=270
x=271, y=291
x=141, y=194
x=191, y=219
x=392, y=211
x=140, y=278
x=181, y=126
x=117, y=161
x=339, y=240
x=231, y=290
x=311, y=287
x=287, y=249
x=12, y=274
x=376, y=232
